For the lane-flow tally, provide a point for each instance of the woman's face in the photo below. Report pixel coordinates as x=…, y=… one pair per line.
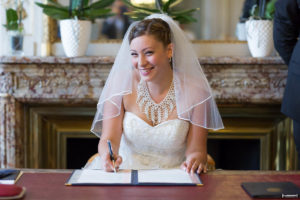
x=150, y=57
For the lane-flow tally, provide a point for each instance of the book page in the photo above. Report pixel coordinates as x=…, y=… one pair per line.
x=9, y=182
x=166, y=176
x=100, y=176
x=11, y=178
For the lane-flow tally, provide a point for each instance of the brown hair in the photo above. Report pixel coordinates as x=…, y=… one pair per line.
x=155, y=27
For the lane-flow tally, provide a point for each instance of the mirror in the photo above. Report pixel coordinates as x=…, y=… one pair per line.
x=217, y=20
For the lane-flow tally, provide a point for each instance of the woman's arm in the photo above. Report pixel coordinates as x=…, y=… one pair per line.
x=196, y=152
x=111, y=130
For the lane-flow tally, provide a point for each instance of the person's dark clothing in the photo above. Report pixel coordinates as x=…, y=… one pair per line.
x=286, y=40
x=248, y=4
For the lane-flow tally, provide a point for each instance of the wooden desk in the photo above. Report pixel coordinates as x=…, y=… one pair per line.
x=49, y=184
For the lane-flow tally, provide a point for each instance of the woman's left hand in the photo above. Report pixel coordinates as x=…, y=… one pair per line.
x=195, y=162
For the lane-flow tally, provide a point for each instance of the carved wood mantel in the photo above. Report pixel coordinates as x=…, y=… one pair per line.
x=60, y=80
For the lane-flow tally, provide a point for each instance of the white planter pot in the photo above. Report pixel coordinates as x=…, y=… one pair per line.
x=260, y=37
x=75, y=36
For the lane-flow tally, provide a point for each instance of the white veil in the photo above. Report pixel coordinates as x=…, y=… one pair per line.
x=194, y=99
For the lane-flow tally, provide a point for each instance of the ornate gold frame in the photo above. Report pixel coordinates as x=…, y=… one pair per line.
x=49, y=36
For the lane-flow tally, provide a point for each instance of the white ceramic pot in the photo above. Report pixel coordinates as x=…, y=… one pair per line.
x=260, y=37
x=75, y=36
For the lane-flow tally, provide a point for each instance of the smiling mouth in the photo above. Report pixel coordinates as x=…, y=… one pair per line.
x=146, y=69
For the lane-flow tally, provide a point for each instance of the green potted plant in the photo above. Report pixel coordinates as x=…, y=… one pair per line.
x=166, y=7
x=15, y=28
x=75, y=21
x=259, y=28
x=264, y=10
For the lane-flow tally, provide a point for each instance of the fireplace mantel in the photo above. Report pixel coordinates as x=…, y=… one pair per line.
x=52, y=79
x=61, y=81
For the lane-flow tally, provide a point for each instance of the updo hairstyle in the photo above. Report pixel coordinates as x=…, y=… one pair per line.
x=155, y=27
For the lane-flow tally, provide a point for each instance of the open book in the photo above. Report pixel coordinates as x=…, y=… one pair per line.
x=9, y=176
x=134, y=177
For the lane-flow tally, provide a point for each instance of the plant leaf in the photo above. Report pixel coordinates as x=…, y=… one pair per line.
x=142, y=12
x=141, y=8
x=254, y=11
x=51, y=7
x=185, y=12
x=77, y=8
x=101, y=4
x=56, y=14
x=11, y=20
x=166, y=6
x=175, y=3
x=137, y=15
x=85, y=3
x=96, y=13
x=184, y=19
x=54, y=3
x=270, y=10
x=11, y=27
x=75, y=4
x=11, y=15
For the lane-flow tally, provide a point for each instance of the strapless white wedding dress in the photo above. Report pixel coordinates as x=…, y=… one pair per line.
x=150, y=147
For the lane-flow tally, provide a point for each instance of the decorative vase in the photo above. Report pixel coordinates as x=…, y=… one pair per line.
x=75, y=36
x=16, y=43
x=260, y=37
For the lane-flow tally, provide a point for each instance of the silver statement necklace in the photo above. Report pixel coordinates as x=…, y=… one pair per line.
x=156, y=113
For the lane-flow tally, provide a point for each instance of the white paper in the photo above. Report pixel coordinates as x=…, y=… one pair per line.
x=164, y=176
x=100, y=176
x=9, y=182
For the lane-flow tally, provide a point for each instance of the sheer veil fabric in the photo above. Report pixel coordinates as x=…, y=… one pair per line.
x=194, y=98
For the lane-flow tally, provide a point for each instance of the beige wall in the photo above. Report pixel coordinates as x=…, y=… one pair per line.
x=216, y=19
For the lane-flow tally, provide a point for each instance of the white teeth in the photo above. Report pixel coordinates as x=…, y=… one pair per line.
x=147, y=69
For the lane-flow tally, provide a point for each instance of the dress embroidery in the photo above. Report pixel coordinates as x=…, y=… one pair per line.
x=159, y=147
x=156, y=113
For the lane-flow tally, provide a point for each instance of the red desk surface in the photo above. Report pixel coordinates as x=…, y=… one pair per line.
x=44, y=185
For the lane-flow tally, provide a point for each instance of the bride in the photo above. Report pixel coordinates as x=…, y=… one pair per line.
x=156, y=106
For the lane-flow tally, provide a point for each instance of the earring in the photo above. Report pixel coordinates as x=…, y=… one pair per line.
x=170, y=59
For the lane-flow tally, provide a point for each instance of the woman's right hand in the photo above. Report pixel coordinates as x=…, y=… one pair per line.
x=108, y=164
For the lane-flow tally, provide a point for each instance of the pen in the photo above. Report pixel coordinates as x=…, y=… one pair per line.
x=111, y=155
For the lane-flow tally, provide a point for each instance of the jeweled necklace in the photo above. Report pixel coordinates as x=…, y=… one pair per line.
x=156, y=113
